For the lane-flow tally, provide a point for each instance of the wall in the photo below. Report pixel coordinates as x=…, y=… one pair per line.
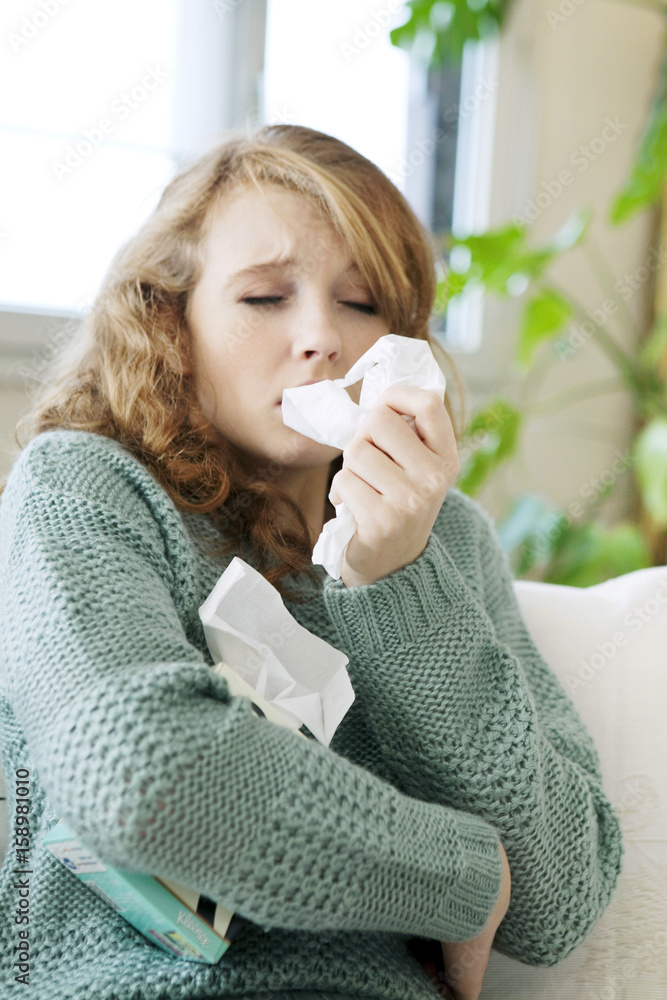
x=560, y=80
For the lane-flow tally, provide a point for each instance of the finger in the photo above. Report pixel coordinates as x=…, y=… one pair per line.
x=431, y=442
x=389, y=432
x=355, y=493
x=376, y=468
x=373, y=516
x=432, y=422
x=391, y=435
x=465, y=964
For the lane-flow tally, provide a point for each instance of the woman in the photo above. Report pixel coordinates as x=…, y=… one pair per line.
x=156, y=454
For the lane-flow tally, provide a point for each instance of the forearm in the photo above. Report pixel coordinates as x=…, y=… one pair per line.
x=452, y=710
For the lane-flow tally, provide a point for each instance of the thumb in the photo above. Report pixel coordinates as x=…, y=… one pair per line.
x=334, y=495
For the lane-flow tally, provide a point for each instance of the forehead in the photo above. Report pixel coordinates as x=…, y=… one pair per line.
x=270, y=233
x=252, y=219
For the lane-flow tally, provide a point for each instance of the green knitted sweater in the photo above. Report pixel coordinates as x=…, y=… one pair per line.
x=459, y=736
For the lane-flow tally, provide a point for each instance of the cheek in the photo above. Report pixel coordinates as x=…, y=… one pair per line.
x=226, y=379
x=208, y=350
x=364, y=344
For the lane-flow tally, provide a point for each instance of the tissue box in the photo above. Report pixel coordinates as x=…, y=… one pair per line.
x=176, y=919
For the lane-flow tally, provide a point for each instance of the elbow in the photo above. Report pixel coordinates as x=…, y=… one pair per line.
x=547, y=934
x=547, y=941
x=106, y=832
x=115, y=819
x=539, y=944
x=544, y=926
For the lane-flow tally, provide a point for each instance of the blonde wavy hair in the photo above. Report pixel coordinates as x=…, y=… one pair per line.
x=127, y=375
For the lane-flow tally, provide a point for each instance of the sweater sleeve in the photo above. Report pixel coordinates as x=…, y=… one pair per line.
x=468, y=714
x=141, y=749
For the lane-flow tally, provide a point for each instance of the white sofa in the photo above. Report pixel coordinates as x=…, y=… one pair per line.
x=608, y=646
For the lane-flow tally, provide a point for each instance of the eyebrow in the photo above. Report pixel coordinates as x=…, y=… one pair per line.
x=275, y=266
x=259, y=270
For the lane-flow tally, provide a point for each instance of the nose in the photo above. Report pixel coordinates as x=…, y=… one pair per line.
x=316, y=334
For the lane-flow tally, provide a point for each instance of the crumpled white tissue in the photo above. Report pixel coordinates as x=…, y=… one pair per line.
x=325, y=412
x=247, y=626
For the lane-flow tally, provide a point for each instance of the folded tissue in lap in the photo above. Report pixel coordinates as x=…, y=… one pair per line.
x=247, y=626
x=326, y=413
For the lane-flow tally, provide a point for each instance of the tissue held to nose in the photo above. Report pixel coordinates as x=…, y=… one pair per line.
x=326, y=413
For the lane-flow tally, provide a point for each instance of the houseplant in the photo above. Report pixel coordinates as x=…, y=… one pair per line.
x=558, y=545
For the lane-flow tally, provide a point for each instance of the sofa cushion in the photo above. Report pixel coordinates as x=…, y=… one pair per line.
x=608, y=646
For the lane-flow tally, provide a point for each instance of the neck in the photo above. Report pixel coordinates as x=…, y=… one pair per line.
x=310, y=491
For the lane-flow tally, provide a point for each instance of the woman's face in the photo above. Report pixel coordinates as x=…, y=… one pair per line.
x=277, y=304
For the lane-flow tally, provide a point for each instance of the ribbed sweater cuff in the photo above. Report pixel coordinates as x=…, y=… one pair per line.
x=469, y=902
x=396, y=610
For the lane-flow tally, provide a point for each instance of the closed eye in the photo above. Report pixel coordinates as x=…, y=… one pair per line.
x=362, y=307
x=266, y=300
x=270, y=300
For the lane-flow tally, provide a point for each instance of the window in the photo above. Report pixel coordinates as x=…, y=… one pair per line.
x=331, y=66
x=86, y=133
x=463, y=168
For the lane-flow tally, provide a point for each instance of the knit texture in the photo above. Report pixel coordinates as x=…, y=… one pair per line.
x=459, y=736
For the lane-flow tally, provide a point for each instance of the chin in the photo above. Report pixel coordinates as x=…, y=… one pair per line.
x=312, y=455
x=306, y=454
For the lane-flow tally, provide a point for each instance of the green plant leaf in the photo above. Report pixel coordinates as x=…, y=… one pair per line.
x=490, y=438
x=589, y=553
x=529, y=532
x=536, y=535
x=437, y=30
x=501, y=261
x=644, y=185
x=545, y=316
x=449, y=286
x=650, y=455
x=495, y=256
x=655, y=345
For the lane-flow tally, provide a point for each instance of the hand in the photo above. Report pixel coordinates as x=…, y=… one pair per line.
x=394, y=480
x=466, y=961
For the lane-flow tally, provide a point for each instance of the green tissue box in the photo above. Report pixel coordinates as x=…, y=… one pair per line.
x=177, y=919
